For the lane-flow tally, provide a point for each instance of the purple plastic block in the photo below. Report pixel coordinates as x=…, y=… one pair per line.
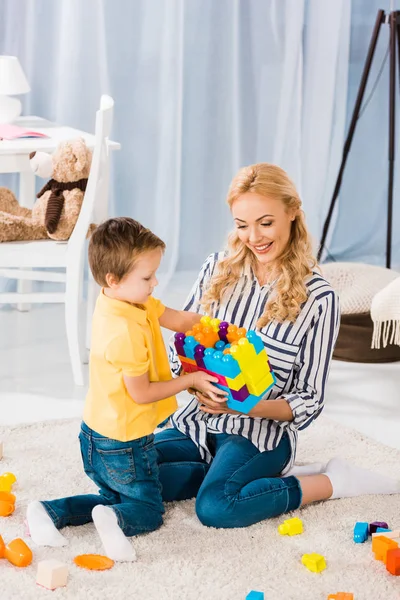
x=198, y=356
x=223, y=331
x=179, y=343
x=374, y=526
x=240, y=394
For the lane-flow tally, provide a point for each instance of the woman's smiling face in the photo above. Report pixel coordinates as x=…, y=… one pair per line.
x=263, y=225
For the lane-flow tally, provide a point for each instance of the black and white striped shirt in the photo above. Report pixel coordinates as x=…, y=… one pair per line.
x=300, y=355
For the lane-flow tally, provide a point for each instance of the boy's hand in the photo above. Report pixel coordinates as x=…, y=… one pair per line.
x=204, y=383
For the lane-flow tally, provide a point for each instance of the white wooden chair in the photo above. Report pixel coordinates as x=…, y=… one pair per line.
x=17, y=259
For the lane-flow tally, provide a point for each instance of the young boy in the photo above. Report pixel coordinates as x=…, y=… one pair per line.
x=130, y=392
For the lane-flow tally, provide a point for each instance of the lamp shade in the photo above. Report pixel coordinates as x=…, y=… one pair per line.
x=12, y=77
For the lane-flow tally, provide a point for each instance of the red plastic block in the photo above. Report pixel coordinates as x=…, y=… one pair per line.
x=393, y=561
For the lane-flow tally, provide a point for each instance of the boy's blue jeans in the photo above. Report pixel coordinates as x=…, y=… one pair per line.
x=127, y=476
x=242, y=486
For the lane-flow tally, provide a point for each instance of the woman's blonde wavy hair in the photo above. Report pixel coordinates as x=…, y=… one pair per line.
x=294, y=264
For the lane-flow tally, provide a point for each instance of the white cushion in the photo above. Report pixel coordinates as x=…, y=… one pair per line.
x=356, y=284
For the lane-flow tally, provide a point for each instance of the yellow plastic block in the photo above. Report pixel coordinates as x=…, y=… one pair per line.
x=291, y=527
x=257, y=388
x=314, y=562
x=214, y=324
x=237, y=383
x=205, y=320
x=244, y=352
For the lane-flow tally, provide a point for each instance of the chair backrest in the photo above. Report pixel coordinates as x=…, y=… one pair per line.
x=96, y=196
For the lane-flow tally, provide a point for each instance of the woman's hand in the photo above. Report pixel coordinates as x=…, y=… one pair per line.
x=212, y=407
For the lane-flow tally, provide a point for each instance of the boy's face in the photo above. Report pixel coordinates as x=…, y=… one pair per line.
x=138, y=285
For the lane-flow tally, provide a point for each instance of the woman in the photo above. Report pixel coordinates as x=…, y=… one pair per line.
x=240, y=467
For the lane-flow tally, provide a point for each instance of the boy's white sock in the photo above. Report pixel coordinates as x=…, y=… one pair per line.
x=116, y=544
x=348, y=481
x=41, y=528
x=310, y=469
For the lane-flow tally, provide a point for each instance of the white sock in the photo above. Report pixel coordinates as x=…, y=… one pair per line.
x=41, y=528
x=348, y=481
x=309, y=469
x=116, y=544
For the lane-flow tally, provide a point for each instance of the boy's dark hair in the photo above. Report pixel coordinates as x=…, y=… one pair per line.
x=116, y=244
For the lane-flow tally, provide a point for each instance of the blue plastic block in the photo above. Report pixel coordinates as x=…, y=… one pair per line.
x=360, y=534
x=256, y=341
x=253, y=595
x=381, y=529
x=220, y=345
x=189, y=346
x=229, y=366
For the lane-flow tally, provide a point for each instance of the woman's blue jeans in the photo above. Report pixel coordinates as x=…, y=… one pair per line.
x=241, y=486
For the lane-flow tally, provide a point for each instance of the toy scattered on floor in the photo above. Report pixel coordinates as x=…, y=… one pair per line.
x=52, y=574
x=7, y=504
x=387, y=533
x=374, y=526
x=93, y=562
x=341, y=596
x=254, y=595
x=314, y=562
x=17, y=553
x=360, y=533
x=381, y=545
x=7, y=480
x=393, y=561
x=235, y=356
x=291, y=527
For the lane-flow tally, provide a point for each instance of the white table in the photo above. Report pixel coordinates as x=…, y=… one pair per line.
x=14, y=158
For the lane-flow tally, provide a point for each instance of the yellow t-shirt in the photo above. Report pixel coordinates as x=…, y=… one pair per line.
x=126, y=340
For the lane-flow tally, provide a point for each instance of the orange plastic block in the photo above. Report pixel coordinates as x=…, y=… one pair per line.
x=341, y=596
x=393, y=561
x=94, y=562
x=2, y=547
x=7, y=497
x=18, y=553
x=6, y=508
x=381, y=545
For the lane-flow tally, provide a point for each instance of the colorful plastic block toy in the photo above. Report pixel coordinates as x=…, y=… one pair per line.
x=387, y=533
x=291, y=527
x=360, y=534
x=341, y=596
x=18, y=553
x=314, y=562
x=253, y=595
x=393, y=561
x=52, y=574
x=235, y=356
x=381, y=545
x=374, y=526
x=7, y=480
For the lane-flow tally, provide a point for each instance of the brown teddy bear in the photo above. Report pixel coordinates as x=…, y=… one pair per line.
x=59, y=202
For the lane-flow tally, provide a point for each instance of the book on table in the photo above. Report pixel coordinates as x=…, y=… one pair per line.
x=15, y=132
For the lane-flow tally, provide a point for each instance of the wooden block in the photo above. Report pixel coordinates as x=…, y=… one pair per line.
x=52, y=574
x=392, y=535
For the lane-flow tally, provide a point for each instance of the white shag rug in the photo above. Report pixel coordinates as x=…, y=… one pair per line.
x=186, y=561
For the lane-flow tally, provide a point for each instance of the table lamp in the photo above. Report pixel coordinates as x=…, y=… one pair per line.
x=12, y=81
